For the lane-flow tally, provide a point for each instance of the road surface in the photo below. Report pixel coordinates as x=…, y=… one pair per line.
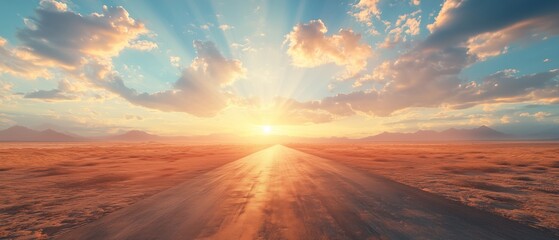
x=282, y=193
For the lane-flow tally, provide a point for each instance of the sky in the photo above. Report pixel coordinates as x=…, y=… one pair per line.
x=298, y=68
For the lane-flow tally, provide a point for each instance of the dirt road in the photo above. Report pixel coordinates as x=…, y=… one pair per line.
x=281, y=193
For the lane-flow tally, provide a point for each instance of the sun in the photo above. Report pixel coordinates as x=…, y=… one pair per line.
x=266, y=129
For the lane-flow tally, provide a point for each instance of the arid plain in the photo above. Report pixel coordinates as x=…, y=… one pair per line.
x=47, y=189
x=519, y=181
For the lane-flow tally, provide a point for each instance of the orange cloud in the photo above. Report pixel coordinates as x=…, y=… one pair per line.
x=199, y=91
x=430, y=79
x=428, y=75
x=71, y=39
x=64, y=91
x=143, y=45
x=407, y=25
x=491, y=44
x=445, y=15
x=310, y=47
x=367, y=9
x=20, y=63
x=60, y=38
x=52, y=5
x=83, y=46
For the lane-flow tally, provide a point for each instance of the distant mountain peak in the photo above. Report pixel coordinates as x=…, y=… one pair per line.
x=135, y=135
x=23, y=134
x=18, y=127
x=452, y=134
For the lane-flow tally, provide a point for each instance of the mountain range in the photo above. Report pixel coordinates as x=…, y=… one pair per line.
x=23, y=134
x=483, y=133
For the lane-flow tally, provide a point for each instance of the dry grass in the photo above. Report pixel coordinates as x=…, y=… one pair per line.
x=48, y=188
x=517, y=180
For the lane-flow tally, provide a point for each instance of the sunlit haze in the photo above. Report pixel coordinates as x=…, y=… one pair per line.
x=266, y=129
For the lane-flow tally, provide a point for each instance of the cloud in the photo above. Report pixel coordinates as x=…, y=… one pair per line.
x=246, y=46
x=83, y=46
x=505, y=119
x=415, y=79
x=64, y=91
x=210, y=66
x=206, y=26
x=445, y=13
x=59, y=38
x=487, y=27
x=71, y=39
x=406, y=26
x=539, y=116
x=199, y=91
x=444, y=89
x=225, y=27
x=495, y=43
x=505, y=86
x=175, y=61
x=366, y=10
x=52, y=5
x=412, y=25
x=20, y=63
x=310, y=47
x=6, y=94
x=143, y=45
x=428, y=74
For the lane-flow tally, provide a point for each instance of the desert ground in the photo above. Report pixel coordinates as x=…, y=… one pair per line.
x=519, y=181
x=283, y=193
x=306, y=191
x=46, y=188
